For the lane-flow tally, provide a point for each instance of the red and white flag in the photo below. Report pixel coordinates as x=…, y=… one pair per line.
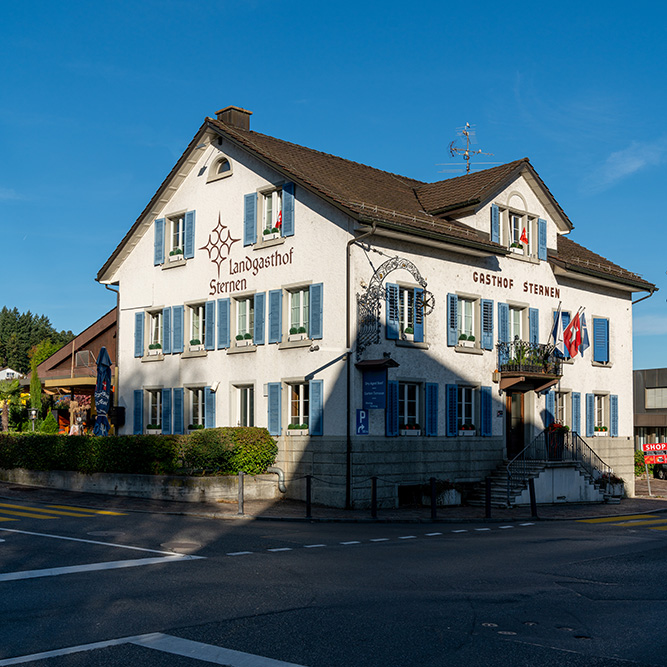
x=572, y=336
x=524, y=237
x=279, y=222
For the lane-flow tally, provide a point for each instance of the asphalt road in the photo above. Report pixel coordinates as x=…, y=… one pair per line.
x=150, y=589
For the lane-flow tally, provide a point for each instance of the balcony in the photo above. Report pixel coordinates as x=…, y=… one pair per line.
x=524, y=366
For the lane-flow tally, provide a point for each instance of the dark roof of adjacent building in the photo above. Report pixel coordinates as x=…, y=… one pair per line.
x=389, y=200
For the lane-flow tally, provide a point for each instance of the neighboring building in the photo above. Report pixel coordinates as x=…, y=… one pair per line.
x=650, y=405
x=9, y=374
x=72, y=370
x=259, y=264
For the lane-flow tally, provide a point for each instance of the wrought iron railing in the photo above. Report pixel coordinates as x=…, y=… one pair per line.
x=525, y=357
x=554, y=445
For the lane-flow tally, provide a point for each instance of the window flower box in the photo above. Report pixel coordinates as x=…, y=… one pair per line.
x=466, y=433
x=297, y=333
x=270, y=236
x=176, y=256
x=154, y=352
x=517, y=249
x=243, y=340
x=196, y=345
x=410, y=431
x=152, y=429
x=409, y=334
x=297, y=429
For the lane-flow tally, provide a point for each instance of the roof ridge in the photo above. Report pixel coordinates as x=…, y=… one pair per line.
x=409, y=181
x=504, y=165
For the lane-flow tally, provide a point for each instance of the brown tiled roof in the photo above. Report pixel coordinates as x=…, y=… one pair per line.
x=471, y=188
x=368, y=192
x=577, y=258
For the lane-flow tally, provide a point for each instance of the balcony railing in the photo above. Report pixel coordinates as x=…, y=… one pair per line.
x=520, y=356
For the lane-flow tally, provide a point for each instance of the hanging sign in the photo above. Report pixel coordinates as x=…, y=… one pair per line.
x=375, y=389
x=654, y=447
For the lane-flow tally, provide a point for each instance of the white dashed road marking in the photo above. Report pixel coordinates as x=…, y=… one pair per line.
x=432, y=534
x=239, y=553
x=380, y=539
x=351, y=542
x=459, y=531
x=313, y=546
x=408, y=537
x=280, y=549
x=480, y=529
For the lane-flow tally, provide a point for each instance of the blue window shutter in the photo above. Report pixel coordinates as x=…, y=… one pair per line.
x=139, y=334
x=486, y=411
x=288, y=210
x=273, y=422
x=600, y=340
x=179, y=413
x=209, y=408
x=550, y=410
x=177, y=329
x=166, y=411
x=209, y=329
x=250, y=219
x=576, y=412
x=189, y=249
x=487, y=324
x=542, y=239
x=316, y=408
x=431, y=408
x=613, y=416
x=260, y=310
x=138, y=422
x=391, y=416
x=418, y=318
x=534, y=325
x=223, y=323
x=495, y=223
x=275, y=316
x=392, y=311
x=452, y=319
x=166, y=330
x=590, y=415
x=503, y=323
x=158, y=254
x=452, y=408
x=315, y=314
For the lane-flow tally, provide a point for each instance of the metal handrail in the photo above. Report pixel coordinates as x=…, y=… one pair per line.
x=526, y=357
x=555, y=445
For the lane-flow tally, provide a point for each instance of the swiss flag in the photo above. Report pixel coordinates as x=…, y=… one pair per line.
x=572, y=336
x=279, y=222
x=524, y=237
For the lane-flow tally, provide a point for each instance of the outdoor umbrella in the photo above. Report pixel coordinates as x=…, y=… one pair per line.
x=102, y=393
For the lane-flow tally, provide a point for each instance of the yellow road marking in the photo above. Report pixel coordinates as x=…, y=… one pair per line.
x=81, y=509
x=641, y=523
x=611, y=519
x=28, y=514
x=38, y=509
x=4, y=518
x=659, y=528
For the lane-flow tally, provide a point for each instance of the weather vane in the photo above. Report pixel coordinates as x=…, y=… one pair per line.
x=468, y=132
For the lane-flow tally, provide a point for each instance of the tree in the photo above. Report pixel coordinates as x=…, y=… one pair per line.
x=8, y=389
x=35, y=389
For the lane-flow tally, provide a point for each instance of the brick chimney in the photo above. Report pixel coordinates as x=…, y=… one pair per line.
x=235, y=116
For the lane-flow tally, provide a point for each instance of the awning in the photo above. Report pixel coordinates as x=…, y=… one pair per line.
x=376, y=364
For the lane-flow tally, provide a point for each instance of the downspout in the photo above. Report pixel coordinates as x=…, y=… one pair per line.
x=348, y=343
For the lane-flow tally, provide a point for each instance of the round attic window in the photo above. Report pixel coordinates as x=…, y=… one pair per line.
x=221, y=168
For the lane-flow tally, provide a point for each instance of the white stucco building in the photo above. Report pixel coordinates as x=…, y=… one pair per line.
x=259, y=264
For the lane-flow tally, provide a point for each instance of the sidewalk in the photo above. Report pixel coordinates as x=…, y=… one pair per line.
x=291, y=510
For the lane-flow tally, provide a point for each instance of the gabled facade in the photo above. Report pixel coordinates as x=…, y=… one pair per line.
x=371, y=322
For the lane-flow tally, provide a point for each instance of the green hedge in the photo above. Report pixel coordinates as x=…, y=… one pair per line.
x=221, y=451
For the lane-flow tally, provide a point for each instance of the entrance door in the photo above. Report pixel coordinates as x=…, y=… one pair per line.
x=514, y=427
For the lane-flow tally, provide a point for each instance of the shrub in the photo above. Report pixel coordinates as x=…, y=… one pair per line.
x=639, y=464
x=49, y=425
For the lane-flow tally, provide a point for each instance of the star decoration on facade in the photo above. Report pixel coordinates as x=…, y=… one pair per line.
x=219, y=244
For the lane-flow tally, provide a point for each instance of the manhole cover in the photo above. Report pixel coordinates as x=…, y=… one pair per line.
x=181, y=546
x=106, y=533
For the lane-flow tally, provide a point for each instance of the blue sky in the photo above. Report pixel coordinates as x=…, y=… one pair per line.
x=99, y=100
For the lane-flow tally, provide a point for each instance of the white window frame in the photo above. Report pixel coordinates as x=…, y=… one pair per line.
x=176, y=230
x=600, y=411
x=245, y=405
x=561, y=407
x=516, y=315
x=299, y=308
x=196, y=314
x=406, y=308
x=655, y=398
x=298, y=403
x=409, y=404
x=466, y=397
x=214, y=173
x=467, y=303
x=270, y=210
x=196, y=406
x=155, y=328
x=155, y=407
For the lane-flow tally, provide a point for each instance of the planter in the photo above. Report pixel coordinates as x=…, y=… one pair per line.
x=270, y=237
x=196, y=348
x=298, y=336
x=244, y=343
x=297, y=431
x=410, y=337
x=154, y=353
x=153, y=431
x=176, y=258
x=467, y=343
x=467, y=433
x=517, y=251
x=410, y=431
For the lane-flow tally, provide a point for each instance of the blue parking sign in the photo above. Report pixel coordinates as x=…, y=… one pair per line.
x=362, y=422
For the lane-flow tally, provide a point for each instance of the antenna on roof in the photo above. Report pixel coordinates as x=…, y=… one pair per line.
x=468, y=132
